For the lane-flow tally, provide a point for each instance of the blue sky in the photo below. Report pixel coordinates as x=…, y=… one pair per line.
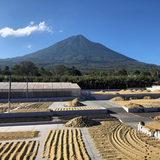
x=130, y=27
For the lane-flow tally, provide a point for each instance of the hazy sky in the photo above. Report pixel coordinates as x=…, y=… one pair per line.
x=130, y=27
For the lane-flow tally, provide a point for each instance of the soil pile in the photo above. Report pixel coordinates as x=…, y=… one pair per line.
x=122, y=90
x=139, y=90
x=157, y=119
x=81, y=121
x=133, y=105
x=74, y=103
x=145, y=91
x=117, y=99
x=157, y=90
x=130, y=98
x=147, y=97
x=128, y=91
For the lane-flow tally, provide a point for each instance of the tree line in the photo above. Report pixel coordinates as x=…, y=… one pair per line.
x=91, y=79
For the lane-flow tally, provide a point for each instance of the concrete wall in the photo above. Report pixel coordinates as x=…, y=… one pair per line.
x=79, y=112
x=133, y=110
x=139, y=110
x=26, y=114
x=37, y=99
x=110, y=96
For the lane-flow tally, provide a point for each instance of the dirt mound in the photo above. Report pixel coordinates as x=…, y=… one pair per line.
x=81, y=121
x=122, y=90
x=157, y=90
x=74, y=103
x=147, y=97
x=133, y=105
x=157, y=119
x=145, y=91
x=128, y=91
x=117, y=99
x=139, y=90
x=130, y=98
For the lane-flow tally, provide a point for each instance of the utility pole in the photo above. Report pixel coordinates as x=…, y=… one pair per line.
x=9, y=94
x=27, y=86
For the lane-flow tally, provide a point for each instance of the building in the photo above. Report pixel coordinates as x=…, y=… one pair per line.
x=23, y=90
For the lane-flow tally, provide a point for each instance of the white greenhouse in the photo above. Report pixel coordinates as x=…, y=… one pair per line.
x=21, y=90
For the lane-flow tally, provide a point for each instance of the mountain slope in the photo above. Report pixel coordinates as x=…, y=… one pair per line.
x=82, y=53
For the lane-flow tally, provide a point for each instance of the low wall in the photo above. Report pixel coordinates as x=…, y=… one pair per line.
x=36, y=99
x=26, y=114
x=79, y=112
x=133, y=110
x=139, y=110
x=152, y=109
x=110, y=96
x=53, y=113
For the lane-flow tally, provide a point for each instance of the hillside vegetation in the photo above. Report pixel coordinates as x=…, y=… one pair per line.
x=78, y=51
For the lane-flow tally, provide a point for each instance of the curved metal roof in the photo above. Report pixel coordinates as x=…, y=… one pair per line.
x=38, y=86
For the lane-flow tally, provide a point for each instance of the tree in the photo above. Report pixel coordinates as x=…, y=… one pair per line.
x=92, y=71
x=28, y=68
x=74, y=71
x=111, y=72
x=122, y=72
x=153, y=71
x=42, y=71
x=60, y=70
x=146, y=73
x=6, y=71
x=136, y=72
x=16, y=70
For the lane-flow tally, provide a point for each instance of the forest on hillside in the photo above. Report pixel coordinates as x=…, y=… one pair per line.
x=91, y=79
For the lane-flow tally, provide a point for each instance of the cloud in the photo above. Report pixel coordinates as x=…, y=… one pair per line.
x=61, y=31
x=31, y=23
x=29, y=46
x=4, y=32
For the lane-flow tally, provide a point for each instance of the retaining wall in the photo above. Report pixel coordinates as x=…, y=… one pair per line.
x=133, y=110
x=139, y=110
x=79, y=112
x=26, y=114
x=110, y=96
x=36, y=99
